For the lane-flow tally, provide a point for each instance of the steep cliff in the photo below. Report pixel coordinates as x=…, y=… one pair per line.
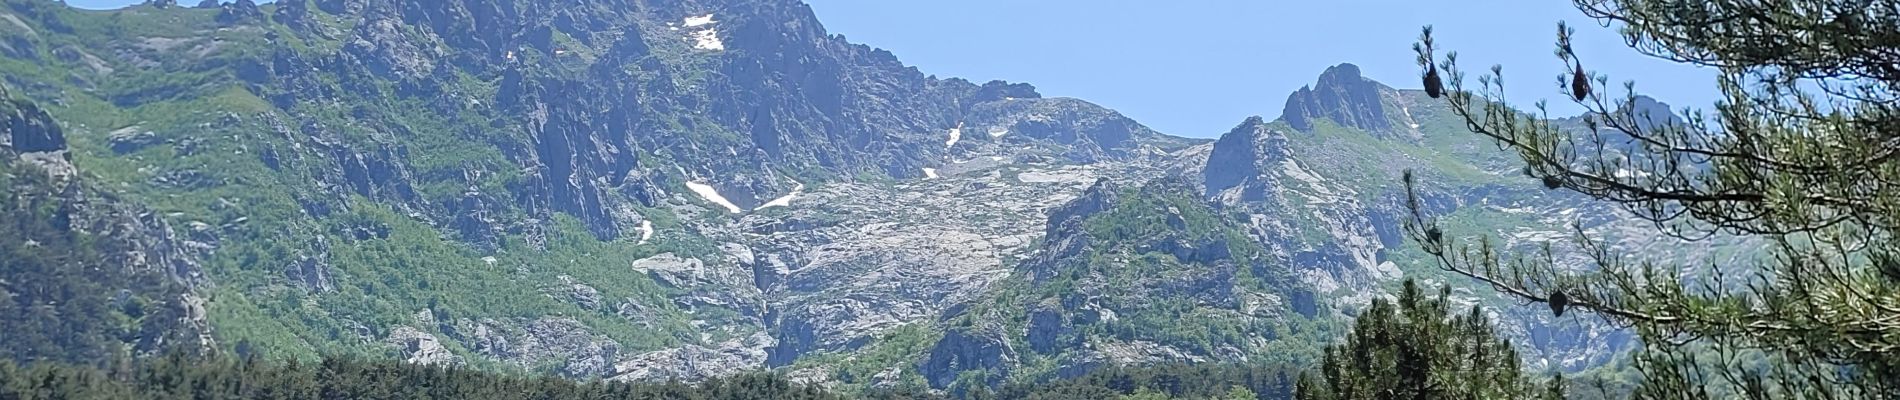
x=1342, y=97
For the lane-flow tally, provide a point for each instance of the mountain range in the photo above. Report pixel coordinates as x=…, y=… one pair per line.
x=651, y=190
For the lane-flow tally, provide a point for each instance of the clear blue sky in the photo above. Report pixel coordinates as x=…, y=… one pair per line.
x=1197, y=67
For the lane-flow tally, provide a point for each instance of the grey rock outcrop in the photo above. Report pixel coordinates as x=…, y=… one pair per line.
x=312, y=271
x=421, y=347
x=1048, y=327
x=131, y=139
x=28, y=129
x=581, y=352
x=693, y=363
x=910, y=250
x=967, y=349
x=1255, y=169
x=239, y=11
x=580, y=293
x=574, y=347
x=1341, y=96
x=1244, y=164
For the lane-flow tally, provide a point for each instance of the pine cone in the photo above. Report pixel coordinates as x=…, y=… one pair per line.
x=1433, y=86
x=1579, y=84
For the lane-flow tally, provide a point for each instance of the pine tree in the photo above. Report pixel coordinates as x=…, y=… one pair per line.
x=1418, y=349
x=1801, y=159
x=1240, y=393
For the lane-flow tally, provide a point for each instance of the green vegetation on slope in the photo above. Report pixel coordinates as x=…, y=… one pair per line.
x=160, y=112
x=176, y=376
x=179, y=376
x=60, y=299
x=1161, y=268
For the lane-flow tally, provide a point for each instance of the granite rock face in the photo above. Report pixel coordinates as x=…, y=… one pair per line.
x=846, y=262
x=28, y=129
x=1244, y=163
x=422, y=348
x=1343, y=97
x=967, y=350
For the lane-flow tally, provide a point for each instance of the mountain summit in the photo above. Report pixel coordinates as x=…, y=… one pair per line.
x=1343, y=97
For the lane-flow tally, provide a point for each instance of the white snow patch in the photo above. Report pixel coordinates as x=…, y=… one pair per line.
x=1518, y=210
x=998, y=131
x=705, y=38
x=782, y=201
x=1037, y=177
x=1537, y=236
x=930, y=173
x=1408, y=116
x=712, y=195
x=646, y=231
x=955, y=135
x=701, y=20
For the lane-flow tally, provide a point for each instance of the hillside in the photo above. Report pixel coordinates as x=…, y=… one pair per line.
x=634, y=190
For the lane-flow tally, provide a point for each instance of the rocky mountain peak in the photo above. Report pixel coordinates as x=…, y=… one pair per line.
x=1643, y=111
x=1343, y=96
x=1649, y=112
x=1342, y=74
x=239, y=11
x=1001, y=90
x=1242, y=155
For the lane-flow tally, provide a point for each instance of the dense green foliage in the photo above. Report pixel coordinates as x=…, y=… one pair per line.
x=1170, y=381
x=177, y=376
x=60, y=299
x=1418, y=349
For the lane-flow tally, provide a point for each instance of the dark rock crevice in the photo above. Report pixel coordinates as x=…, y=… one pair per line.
x=28, y=128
